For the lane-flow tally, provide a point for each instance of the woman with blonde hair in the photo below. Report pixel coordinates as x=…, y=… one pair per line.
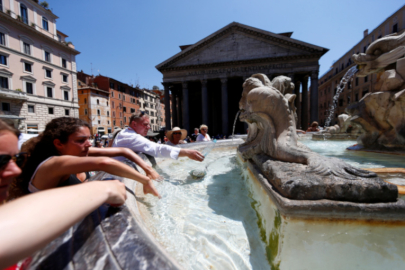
x=203, y=136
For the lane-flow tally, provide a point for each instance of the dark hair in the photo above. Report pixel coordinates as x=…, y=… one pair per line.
x=6, y=127
x=40, y=148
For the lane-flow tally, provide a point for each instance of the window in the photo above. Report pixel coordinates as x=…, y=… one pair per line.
x=67, y=112
x=2, y=39
x=5, y=106
x=341, y=102
x=59, y=37
x=3, y=60
x=4, y=82
x=47, y=56
x=356, y=98
x=125, y=109
x=45, y=24
x=121, y=116
x=29, y=88
x=132, y=110
x=27, y=67
x=98, y=102
x=99, y=122
x=85, y=111
x=50, y=110
x=65, y=95
x=65, y=78
x=85, y=101
x=108, y=113
x=395, y=28
x=152, y=121
x=98, y=112
x=125, y=119
x=31, y=108
x=64, y=64
x=366, y=79
x=48, y=73
x=114, y=122
x=119, y=96
x=112, y=94
x=26, y=48
x=109, y=129
x=49, y=92
x=357, y=81
x=107, y=102
x=348, y=100
x=364, y=93
x=113, y=104
x=114, y=115
x=24, y=13
x=111, y=85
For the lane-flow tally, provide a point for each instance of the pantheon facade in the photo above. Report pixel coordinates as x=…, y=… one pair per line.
x=205, y=79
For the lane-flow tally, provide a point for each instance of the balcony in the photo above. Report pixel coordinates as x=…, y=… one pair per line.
x=13, y=94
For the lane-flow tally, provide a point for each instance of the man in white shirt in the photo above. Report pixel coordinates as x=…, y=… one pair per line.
x=133, y=138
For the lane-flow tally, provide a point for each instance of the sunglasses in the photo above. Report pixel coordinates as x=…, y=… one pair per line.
x=176, y=133
x=19, y=159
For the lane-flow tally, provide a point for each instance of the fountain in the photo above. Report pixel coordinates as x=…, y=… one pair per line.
x=381, y=113
x=272, y=203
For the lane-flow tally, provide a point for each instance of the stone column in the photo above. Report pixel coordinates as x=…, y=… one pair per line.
x=298, y=102
x=304, y=119
x=204, y=94
x=180, y=110
x=167, y=106
x=185, y=108
x=174, y=109
x=224, y=103
x=314, y=96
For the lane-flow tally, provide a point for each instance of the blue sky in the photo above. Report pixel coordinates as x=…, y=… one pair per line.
x=126, y=39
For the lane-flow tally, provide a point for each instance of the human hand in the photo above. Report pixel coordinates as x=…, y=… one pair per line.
x=116, y=192
x=152, y=174
x=150, y=188
x=194, y=155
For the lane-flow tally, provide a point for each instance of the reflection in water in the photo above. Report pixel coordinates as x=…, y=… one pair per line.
x=208, y=223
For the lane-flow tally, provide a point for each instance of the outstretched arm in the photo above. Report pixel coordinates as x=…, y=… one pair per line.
x=127, y=153
x=58, y=167
x=29, y=223
x=192, y=154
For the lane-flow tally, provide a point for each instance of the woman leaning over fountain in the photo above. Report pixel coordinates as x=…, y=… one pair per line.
x=62, y=156
x=21, y=231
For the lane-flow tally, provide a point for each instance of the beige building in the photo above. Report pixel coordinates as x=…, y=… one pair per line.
x=37, y=66
x=357, y=87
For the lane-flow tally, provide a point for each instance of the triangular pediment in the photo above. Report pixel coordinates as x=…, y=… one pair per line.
x=238, y=42
x=28, y=78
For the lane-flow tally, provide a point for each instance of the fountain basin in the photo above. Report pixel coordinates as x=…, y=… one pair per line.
x=298, y=234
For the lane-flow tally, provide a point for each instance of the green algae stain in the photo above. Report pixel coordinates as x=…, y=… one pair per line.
x=272, y=244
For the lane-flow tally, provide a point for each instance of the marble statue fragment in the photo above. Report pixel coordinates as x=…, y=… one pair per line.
x=295, y=171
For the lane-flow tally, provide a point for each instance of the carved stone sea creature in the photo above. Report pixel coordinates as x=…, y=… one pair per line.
x=272, y=134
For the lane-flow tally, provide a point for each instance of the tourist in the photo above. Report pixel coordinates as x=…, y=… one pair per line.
x=133, y=138
x=27, y=224
x=194, y=135
x=203, y=136
x=300, y=131
x=60, y=157
x=176, y=136
x=313, y=127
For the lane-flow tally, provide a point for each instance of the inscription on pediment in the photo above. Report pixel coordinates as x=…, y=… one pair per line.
x=237, y=46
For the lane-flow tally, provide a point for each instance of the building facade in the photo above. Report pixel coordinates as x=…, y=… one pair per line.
x=94, y=105
x=205, y=79
x=37, y=67
x=356, y=88
x=126, y=100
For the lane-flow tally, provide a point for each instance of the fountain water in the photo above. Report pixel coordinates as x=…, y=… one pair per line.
x=234, y=124
x=349, y=74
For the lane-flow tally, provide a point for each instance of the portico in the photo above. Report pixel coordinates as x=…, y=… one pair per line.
x=205, y=79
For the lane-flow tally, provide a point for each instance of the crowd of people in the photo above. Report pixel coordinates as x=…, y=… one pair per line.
x=49, y=178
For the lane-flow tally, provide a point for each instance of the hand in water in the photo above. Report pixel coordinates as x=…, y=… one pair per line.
x=150, y=188
x=194, y=155
x=154, y=176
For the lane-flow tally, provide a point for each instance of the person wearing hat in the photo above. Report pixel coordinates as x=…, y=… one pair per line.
x=176, y=136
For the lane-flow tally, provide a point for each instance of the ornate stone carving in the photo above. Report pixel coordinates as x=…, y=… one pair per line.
x=295, y=171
